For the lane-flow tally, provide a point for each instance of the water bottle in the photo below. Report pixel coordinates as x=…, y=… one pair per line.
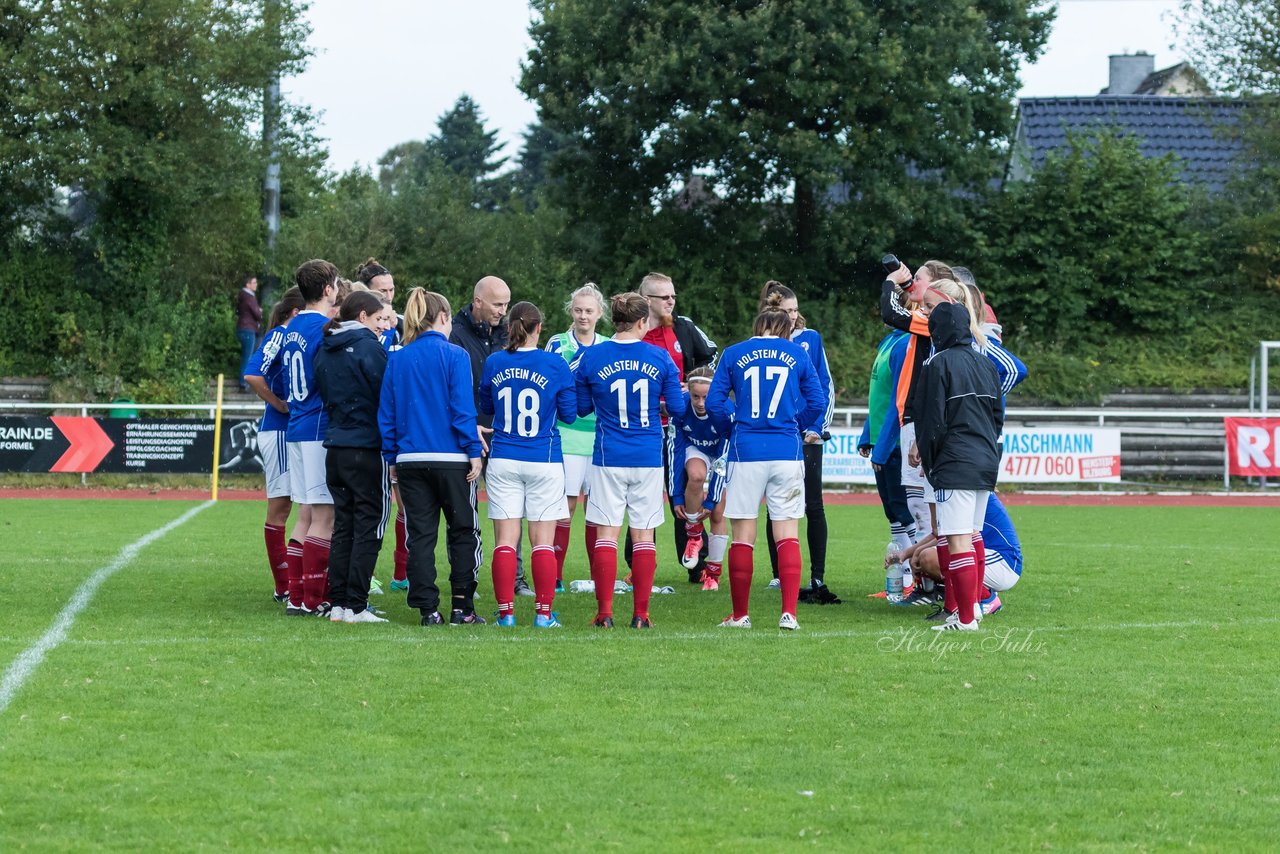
x=893, y=574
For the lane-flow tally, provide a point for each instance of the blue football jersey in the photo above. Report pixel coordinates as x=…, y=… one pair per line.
x=525, y=392
x=624, y=382
x=302, y=340
x=776, y=394
x=811, y=341
x=267, y=363
x=998, y=534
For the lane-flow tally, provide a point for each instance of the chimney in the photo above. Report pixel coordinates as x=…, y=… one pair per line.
x=1128, y=71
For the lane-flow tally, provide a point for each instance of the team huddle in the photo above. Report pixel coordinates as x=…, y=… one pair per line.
x=364, y=407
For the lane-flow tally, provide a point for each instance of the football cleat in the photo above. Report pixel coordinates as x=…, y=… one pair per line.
x=639, y=622
x=506, y=620
x=547, y=621
x=602, y=622
x=399, y=584
x=692, y=550
x=939, y=613
x=991, y=604
x=297, y=610
x=559, y=585
x=920, y=596
x=323, y=609
x=819, y=594
x=710, y=582
x=743, y=622
x=775, y=584
x=458, y=617
x=522, y=587
x=280, y=597
x=432, y=619
x=375, y=586
x=957, y=626
x=365, y=616
x=788, y=622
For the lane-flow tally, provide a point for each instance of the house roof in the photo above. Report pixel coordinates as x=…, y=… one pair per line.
x=1195, y=130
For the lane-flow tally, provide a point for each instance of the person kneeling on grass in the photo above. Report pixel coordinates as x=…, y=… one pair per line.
x=696, y=488
x=958, y=420
x=1002, y=562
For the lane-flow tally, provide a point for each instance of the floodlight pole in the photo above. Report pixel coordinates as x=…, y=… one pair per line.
x=271, y=141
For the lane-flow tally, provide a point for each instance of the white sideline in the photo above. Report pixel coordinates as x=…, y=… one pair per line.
x=16, y=675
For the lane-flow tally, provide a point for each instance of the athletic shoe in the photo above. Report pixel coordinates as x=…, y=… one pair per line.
x=461, y=618
x=337, y=613
x=919, y=596
x=297, y=611
x=280, y=597
x=375, y=586
x=991, y=604
x=398, y=584
x=547, y=621
x=710, y=582
x=730, y=623
x=559, y=585
x=939, y=613
x=623, y=586
x=365, y=616
x=638, y=622
x=957, y=626
x=775, y=584
x=819, y=595
x=522, y=587
x=506, y=621
x=788, y=622
x=433, y=619
x=323, y=609
x=692, y=550
x=602, y=622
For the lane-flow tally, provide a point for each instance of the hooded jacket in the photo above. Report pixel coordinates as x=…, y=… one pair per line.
x=959, y=414
x=349, y=369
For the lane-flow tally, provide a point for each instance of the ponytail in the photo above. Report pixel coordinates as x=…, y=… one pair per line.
x=523, y=319
x=421, y=310
x=290, y=302
x=773, y=318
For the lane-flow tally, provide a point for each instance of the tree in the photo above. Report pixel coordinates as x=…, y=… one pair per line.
x=774, y=102
x=462, y=143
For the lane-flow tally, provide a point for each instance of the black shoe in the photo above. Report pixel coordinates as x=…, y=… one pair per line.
x=922, y=597
x=280, y=597
x=695, y=576
x=323, y=609
x=461, y=618
x=819, y=595
x=433, y=619
x=602, y=622
x=938, y=614
x=641, y=623
x=522, y=587
x=297, y=611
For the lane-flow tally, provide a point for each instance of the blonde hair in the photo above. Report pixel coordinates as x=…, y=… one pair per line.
x=653, y=279
x=958, y=293
x=587, y=290
x=421, y=310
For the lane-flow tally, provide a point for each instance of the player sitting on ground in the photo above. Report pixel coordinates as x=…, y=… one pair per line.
x=695, y=483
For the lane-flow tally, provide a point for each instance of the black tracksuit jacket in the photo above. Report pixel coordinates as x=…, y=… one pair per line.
x=349, y=369
x=958, y=412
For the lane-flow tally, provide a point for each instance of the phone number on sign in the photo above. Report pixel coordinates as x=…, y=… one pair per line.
x=1031, y=466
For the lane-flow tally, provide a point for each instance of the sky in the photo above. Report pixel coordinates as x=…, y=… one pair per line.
x=385, y=70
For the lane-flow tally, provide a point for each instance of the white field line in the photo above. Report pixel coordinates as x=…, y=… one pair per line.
x=346, y=635
x=26, y=663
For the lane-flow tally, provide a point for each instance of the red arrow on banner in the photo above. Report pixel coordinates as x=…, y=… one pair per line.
x=89, y=444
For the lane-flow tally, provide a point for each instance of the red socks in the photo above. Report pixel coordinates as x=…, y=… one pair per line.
x=277, y=556
x=948, y=581
x=789, y=573
x=544, y=578
x=563, y=529
x=644, y=566
x=741, y=558
x=315, y=571
x=980, y=561
x=589, y=535
x=293, y=560
x=402, y=547
x=964, y=572
x=504, y=579
x=604, y=572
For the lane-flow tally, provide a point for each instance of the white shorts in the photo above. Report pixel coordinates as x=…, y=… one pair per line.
x=961, y=511
x=779, y=482
x=913, y=476
x=308, y=482
x=634, y=492
x=524, y=490
x=577, y=475
x=997, y=574
x=274, y=451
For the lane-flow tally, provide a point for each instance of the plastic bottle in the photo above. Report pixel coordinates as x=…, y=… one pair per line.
x=893, y=573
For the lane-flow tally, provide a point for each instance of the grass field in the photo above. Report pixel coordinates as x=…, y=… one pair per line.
x=1125, y=698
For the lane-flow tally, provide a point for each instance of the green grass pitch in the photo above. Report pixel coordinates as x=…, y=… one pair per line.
x=1125, y=698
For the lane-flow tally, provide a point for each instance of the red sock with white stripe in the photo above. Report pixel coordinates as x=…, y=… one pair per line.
x=789, y=571
x=277, y=556
x=544, y=579
x=948, y=581
x=402, y=548
x=504, y=579
x=293, y=557
x=561, y=548
x=964, y=570
x=604, y=572
x=315, y=571
x=741, y=560
x=644, y=566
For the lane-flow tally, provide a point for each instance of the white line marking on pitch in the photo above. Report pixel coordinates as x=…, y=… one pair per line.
x=26, y=663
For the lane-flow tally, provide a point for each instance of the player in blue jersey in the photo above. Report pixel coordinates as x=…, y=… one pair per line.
x=318, y=282
x=695, y=448
x=428, y=421
x=625, y=381
x=776, y=394
x=525, y=390
x=265, y=375
x=815, y=513
x=577, y=440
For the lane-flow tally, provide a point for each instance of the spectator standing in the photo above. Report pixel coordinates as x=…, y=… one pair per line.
x=248, y=323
